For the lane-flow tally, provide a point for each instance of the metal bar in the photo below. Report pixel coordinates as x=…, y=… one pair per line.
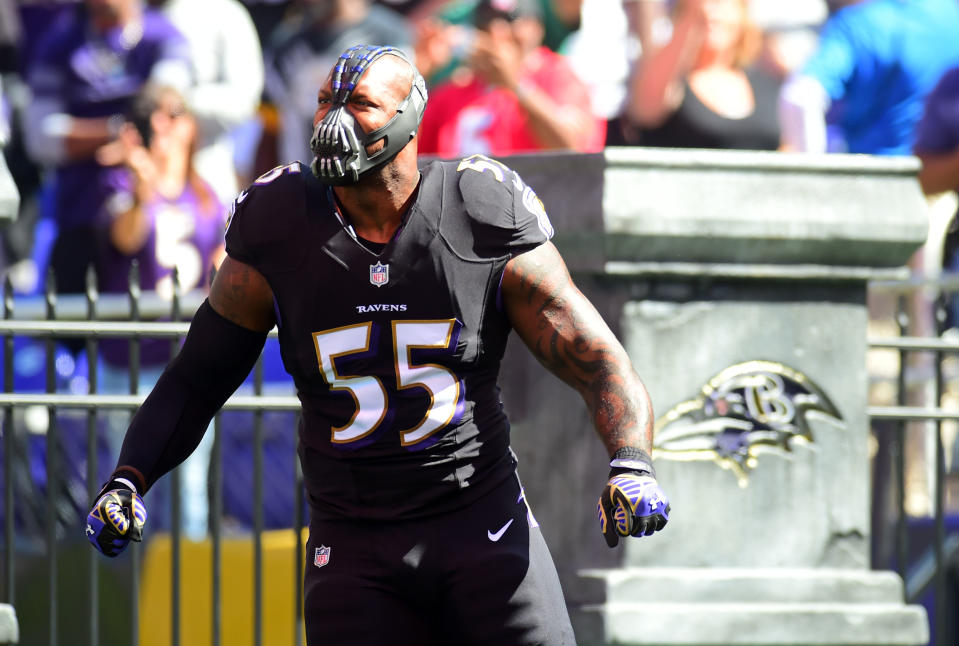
x=939, y=539
x=8, y=449
x=53, y=468
x=61, y=400
x=946, y=281
x=73, y=307
x=258, y=509
x=216, y=513
x=902, y=535
x=160, y=329
x=918, y=343
x=906, y=413
x=93, y=582
x=939, y=534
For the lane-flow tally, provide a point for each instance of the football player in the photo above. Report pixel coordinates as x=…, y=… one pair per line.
x=393, y=291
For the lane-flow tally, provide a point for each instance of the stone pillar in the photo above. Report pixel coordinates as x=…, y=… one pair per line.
x=9, y=633
x=737, y=283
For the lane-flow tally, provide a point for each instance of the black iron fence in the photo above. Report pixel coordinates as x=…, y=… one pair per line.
x=914, y=427
x=56, y=455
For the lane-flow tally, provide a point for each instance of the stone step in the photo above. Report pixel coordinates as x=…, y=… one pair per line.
x=753, y=624
x=731, y=585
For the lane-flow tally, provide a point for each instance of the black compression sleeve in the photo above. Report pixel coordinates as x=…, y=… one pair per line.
x=216, y=357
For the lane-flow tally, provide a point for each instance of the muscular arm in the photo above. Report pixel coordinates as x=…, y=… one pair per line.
x=568, y=336
x=222, y=346
x=240, y=294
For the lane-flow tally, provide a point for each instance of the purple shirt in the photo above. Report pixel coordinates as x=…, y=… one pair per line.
x=182, y=234
x=96, y=75
x=938, y=131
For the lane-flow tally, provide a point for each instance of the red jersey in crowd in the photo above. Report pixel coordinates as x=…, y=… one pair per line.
x=479, y=118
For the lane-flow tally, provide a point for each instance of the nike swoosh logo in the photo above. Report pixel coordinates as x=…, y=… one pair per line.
x=241, y=197
x=502, y=530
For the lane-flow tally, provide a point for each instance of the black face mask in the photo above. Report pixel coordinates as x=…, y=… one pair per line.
x=339, y=144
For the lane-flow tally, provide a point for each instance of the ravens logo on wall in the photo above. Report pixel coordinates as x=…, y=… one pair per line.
x=745, y=409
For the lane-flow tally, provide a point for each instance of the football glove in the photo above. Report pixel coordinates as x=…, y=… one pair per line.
x=116, y=519
x=632, y=504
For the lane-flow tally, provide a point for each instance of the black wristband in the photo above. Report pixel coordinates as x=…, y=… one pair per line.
x=631, y=459
x=121, y=479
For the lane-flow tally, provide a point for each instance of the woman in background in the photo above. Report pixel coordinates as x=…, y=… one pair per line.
x=160, y=213
x=698, y=90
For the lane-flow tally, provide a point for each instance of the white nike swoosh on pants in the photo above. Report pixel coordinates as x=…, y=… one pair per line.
x=499, y=534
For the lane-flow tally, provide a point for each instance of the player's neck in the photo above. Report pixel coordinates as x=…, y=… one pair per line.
x=376, y=208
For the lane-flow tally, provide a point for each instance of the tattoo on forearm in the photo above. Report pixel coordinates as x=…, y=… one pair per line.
x=570, y=338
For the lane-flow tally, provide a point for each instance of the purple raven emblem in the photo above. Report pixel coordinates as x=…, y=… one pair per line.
x=745, y=409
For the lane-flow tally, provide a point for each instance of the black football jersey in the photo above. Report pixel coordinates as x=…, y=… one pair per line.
x=395, y=354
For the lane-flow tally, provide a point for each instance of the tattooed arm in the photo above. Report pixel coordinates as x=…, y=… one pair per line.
x=568, y=336
x=241, y=294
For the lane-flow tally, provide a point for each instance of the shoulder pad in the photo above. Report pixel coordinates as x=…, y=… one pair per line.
x=506, y=214
x=267, y=220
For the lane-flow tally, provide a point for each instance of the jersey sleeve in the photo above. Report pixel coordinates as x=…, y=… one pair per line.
x=265, y=226
x=507, y=216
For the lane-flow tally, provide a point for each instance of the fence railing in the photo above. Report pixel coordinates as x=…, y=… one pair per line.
x=924, y=341
x=47, y=513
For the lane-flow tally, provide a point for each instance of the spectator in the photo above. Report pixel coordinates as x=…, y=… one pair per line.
x=699, y=90
x=268, y=14
x=517, y=96
x=937, y=139
x=937, y=146
x=159, y=210
x=301, y=53
x=443, y=33
x=606, y=26
x=874, y=65
x=86, y=70
x=228, y=81
x=161, y=214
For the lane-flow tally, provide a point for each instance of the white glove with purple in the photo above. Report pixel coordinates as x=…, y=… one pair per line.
x=117, y=517
x=632, y=504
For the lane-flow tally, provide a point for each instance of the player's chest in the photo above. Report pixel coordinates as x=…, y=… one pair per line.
x=414, y=295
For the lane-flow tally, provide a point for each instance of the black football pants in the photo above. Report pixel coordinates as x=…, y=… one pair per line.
x=479, y=575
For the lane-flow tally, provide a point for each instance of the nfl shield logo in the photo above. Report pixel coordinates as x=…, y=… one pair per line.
x=379, y=274
x=322, y=556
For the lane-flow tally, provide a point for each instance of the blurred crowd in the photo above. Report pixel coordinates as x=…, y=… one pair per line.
x=130, y=125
